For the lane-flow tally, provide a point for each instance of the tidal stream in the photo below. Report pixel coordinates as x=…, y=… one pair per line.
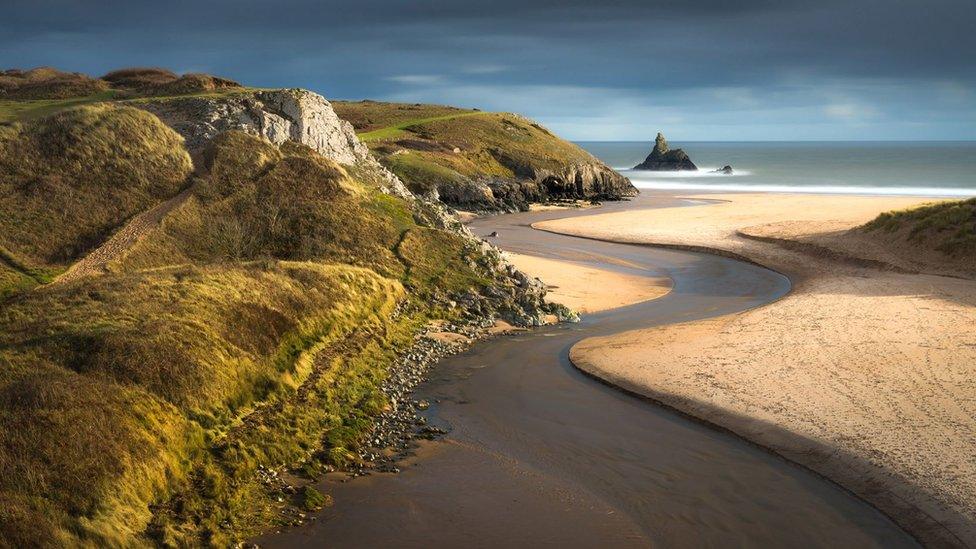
x=539, y=454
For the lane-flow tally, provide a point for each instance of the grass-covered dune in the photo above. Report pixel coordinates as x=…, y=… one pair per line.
x=249, y=328
x=477, y=159
x=947, y=227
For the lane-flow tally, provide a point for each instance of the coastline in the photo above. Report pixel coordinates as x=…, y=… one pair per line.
x=669, y=478
x=771, y=397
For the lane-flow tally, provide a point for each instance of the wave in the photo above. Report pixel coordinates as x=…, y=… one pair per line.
x=805, y=189
x=703, y=171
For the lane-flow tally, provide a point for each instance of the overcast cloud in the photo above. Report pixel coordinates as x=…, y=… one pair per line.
x=856, y=69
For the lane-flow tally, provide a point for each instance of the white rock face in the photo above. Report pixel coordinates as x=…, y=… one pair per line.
x=277, y=115
x=306, y=117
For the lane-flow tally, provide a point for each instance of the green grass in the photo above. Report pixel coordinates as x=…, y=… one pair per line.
x=367, y=116
x=401, y=129
x=422, y=174
x=66, y=93
x=23, y=111
x=16, y=276
x=949, y=227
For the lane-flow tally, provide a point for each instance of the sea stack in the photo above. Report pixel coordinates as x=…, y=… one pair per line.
x=664, y=159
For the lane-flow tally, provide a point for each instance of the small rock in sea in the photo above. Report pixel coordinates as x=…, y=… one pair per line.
x=423, y=404
x=663, y=158
x=494, y=234
x=727, y=170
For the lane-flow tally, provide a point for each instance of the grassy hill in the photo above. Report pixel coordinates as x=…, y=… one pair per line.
x=480, y=160
x=67, y=183
x=248, y=329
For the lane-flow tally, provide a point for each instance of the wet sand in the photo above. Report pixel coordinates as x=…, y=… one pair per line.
x=540, y=454
x=862, y=373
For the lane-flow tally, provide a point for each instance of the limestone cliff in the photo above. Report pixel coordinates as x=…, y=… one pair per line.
x=278, y=115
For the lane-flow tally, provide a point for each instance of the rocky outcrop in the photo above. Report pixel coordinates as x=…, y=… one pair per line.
x=727, y=170
x=664, y=159
x=591, y=181
x=278, y=115
x=308, y=118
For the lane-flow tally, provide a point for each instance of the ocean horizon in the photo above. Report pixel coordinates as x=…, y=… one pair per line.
x=910, y=168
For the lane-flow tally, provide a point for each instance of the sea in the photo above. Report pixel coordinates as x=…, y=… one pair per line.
x=927, y=168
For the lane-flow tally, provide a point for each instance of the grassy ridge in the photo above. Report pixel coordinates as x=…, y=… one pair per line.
x=401, y=129
x=28, y=95
x=949, y=227
x=433, y=147
x=251, y=328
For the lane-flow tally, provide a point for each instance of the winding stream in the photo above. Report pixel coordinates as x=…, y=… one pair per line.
x=540, y=454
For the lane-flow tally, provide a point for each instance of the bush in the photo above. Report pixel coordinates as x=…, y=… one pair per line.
x=313, y=500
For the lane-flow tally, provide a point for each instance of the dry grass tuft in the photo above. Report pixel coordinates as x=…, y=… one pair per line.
x=949, y=227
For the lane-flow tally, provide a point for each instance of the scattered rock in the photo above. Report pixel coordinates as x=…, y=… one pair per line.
x=493, y=234
x=727, y=170
x=664, y=159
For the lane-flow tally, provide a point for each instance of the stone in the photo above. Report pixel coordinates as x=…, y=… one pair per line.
x=664, y=159
x=727, y=170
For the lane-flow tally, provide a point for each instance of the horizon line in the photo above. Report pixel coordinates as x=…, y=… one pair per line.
x=778, y=140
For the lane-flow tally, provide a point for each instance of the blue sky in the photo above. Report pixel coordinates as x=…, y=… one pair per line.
x=705, y=70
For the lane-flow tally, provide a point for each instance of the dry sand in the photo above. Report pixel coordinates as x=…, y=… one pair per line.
x=587, y=289
x=865, y=375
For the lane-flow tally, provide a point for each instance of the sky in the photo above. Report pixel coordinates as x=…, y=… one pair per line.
x=590, y=70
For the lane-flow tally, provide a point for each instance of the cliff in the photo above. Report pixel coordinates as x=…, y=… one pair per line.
x=664, y=159
x=480, y=160
x=199, y=290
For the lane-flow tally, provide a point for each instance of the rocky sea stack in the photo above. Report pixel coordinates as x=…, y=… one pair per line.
x=664, y=159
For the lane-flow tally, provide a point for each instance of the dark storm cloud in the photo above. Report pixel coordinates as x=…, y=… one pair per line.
x=824, y=64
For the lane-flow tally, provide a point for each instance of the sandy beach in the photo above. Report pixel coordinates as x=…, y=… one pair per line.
x=588, y=289
x=863, y=373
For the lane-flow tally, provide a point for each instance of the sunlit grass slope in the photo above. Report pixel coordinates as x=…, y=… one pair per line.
x=430, y=146
x=251, y=328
